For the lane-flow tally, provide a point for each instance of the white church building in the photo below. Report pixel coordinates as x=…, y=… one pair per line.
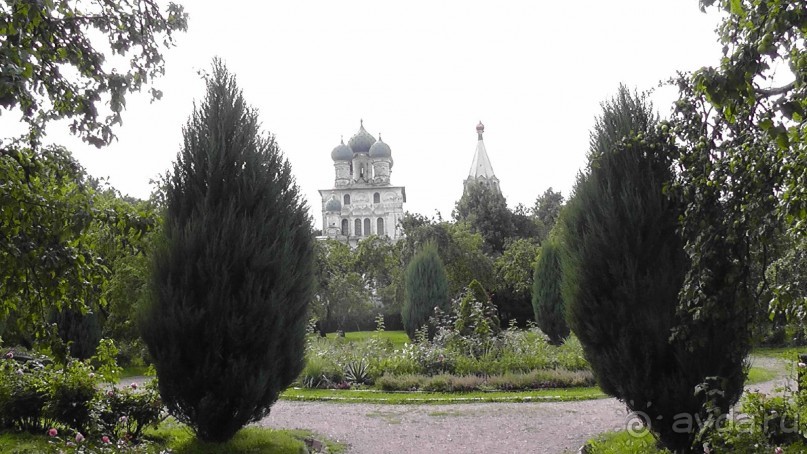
x=362, y=201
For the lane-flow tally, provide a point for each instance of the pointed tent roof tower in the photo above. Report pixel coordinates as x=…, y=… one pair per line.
x=481, y=169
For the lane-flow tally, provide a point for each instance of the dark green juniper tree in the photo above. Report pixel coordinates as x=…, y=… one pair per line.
x=425, y=287
x=233, y=273
x=623, y=271
x=547, y=301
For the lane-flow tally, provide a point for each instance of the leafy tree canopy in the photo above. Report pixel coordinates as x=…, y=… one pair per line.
x=485, y=211
x=547, y=208
x=53, y=67
x=460, y=250
x=743, y=171
x=61, y=230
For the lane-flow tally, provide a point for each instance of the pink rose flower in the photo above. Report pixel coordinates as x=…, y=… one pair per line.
x=778, y=450
x=10, y=355
x=105, y=440
x=133, y=385
x=52, y=432
x=79, y=437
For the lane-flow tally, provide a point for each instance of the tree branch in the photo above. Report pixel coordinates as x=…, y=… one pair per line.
x=775, y=91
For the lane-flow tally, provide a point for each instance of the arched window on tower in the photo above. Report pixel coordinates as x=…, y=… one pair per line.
x=357, y=227
x=376, y=198
x=367, y=227
x=379, y=230
x=347, y=200
x=345, y=227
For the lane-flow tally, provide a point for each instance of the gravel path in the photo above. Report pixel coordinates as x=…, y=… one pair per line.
x=543, y=427
x=546, y=427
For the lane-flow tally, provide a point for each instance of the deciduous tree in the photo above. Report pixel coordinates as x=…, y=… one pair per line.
x=55, y=65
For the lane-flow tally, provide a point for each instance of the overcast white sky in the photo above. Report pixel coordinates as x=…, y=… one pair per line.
x=421, y=73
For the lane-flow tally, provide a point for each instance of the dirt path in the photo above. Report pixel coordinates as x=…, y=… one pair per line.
x=555, y=427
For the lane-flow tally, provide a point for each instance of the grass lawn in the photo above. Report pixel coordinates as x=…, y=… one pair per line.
x=381, y=397
x=789, y=353
x=180, y=440
x=133, y=371
x=759, y=375
x=624, y=443
x=398, y=338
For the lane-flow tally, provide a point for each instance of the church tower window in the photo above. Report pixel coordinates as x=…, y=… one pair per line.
x=345, y=227
x=347, y=199
x=367, y=227
x=357, y=228
x=379, y=227
x=376, y=198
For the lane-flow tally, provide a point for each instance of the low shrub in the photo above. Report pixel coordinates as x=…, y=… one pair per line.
x=125, y=411
x=23, y=395
x=35, y=397
x=71, y=391
x=405, y=382
x=321, y=372
x=510, y=381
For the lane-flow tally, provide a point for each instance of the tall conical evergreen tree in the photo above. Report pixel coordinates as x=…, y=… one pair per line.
x=547, y=301
x=623, y=270
x=233, y=272
x=425, y=287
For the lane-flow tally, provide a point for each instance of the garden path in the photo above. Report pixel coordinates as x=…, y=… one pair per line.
x=544, y=427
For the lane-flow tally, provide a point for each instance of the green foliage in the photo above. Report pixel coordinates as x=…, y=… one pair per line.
x=459, y=248
x=788, y=279
x=62, y=233
x=124, y=412
x=426, y=288
x=39, y=37
x=547, y=209
x=233, y=273
x=71, y=393
x=398, y=398
x=744, y=163
x=46, y=259
x=768, y=423
x=623, y=271
x=330, y=361
x=485, y=211
x=547, y=300
x=624, y=443
x=514, y=268
x=475, y=314
x=23, y=395
x=81, y=332
x=378, y=261
x=509, y=381
x=321, y=372
x=350, y=282
x=36, y=393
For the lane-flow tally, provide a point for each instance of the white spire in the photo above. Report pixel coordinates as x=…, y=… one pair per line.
x=481, y=167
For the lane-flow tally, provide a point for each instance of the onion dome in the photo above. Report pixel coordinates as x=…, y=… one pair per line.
x=333, y=205
x=362, y=141
x=480, y=128
x=380, y=149
x=342, y=152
